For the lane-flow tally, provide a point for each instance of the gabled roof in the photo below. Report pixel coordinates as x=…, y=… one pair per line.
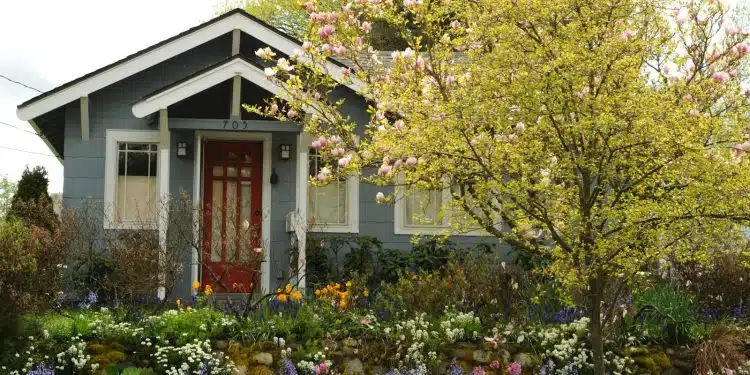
x=144, y=59
x=202, y=80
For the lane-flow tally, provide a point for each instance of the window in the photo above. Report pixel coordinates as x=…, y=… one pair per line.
x=333, y=207
x=429, y=212
x=131, y=184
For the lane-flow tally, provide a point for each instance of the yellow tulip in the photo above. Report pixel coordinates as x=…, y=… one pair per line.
x=348, y=284
x=281, y=297
x=196, y=285
x=366, y=292
x=288, y=288
x=208, y=290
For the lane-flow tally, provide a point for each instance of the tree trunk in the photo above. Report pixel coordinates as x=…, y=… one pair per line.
x=595, y=326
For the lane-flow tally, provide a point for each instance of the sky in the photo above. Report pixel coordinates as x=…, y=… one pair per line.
x=45, y=43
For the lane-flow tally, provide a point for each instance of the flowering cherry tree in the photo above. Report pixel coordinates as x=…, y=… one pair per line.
x=603, y=135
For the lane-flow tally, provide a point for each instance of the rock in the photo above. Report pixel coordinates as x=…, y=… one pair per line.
x=259, y=370
x=353, y=367
x=525, y=360
x=239, y=370
x=505, y=356
x=263, y=358
x=221, y=344
x=683, y=366
x=661, y=360
x=481, y=356
x=636, y=351
x=646, y=362
x=673, y=371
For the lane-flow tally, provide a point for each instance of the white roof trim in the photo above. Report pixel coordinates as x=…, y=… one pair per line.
x=162, y=53
x=195, y=85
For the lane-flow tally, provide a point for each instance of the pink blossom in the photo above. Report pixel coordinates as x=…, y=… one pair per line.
x=310, y=7
x=326, y=47
x=478, y=370
x=694, y=112
x=323, y=141
x=408, y=53
x=733, y=73
x=455, y=24
x=326, y=31
x=682, y=16
x=728, y=371
x=338, y=151
x=701, y=19
x=380, y=198
x=420, y=62
x=307, y=45
x=359, y=41
x=450, y=80
x=345, y=71
x=381, y=128
x=366, y=26
x=317, y=145
x=399, y=124
x=398, y=164
x=628, y=34
x=323, y=175
x=733, y=30
x=332, y=17
x=743, y=49
x=323, y=367
x=411, y=3
x=344, y=162
x=319, y=17
x=720, y=77
x=411, y=161
x=380, y=115
x=273, y=109
x=339, y=50
x=384, y=169
x=689, y=66
x=495, y=364
x=514, y=368
x=335, y=139
x=292, y=114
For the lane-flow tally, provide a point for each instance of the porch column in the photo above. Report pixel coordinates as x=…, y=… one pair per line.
x=300, y=225
x=163, y=200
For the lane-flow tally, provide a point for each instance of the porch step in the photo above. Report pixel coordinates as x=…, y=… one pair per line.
x=229, y=301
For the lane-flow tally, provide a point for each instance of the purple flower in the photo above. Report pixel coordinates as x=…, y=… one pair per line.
x=288, y=367
x=203, y=369
x=41, y=370
x=455, y=369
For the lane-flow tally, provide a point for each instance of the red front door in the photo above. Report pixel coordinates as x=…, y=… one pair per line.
x=232, y=188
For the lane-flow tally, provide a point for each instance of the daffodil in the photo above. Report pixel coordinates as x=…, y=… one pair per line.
x=196, y=285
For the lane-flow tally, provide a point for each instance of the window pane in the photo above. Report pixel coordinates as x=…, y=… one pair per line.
x=218, y=171
x=423, y=207
x=136, y=185
x=328, y=204
x=217, y=214
x=232, y=221
x=246, y=237
x=231, y=171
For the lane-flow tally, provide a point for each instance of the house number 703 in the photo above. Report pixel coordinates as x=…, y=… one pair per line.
x=235, y=125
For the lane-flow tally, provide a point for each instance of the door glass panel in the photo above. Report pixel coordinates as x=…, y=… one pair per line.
x=231, y=171
x=246, y=239
x=218, y=171
x=217, y=213
x=232, y=216
x=245, y=172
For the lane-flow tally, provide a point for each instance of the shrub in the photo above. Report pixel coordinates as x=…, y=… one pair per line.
x=721, y=288
x=666, y=314
x=721, y=351
x=31, y=203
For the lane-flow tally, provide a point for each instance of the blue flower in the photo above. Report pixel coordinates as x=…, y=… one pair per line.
x=288, y=367
x=42, y=370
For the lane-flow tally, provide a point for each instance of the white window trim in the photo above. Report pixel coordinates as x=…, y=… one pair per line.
x=352, y=191
x=400, y=226
x=110, y=175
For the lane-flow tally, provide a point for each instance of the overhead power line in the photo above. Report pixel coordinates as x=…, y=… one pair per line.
x=21, y=84
x=27, y=151
x=17, y=128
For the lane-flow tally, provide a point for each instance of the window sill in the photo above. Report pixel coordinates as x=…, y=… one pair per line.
x=323, y=228
x=443, y=230
x=131, y=225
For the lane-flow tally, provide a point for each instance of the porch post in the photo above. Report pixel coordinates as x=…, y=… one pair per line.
x=303, y=144
x=163, y=208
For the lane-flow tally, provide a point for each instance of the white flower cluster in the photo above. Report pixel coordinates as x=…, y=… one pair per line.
x=75, y=354
x=461, y=326
x=108, y=328
x=416, y=341
x=187, y=359
x=565, y=345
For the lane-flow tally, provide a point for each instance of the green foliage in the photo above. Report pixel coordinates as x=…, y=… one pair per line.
x=32, y=203
x=182, y=327
x=666, y=314
x=7, y=190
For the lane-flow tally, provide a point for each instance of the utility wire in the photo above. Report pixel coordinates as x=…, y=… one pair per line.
x=17, y=128
x=27, y=151
x=21, y=83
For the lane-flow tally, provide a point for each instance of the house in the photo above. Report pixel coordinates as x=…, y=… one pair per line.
x=168, y=119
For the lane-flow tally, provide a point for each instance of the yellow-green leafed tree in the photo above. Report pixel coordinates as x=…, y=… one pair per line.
x=603, y=134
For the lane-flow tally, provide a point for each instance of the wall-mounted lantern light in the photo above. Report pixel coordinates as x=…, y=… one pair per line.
x=286, y=152
x=181, y=149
